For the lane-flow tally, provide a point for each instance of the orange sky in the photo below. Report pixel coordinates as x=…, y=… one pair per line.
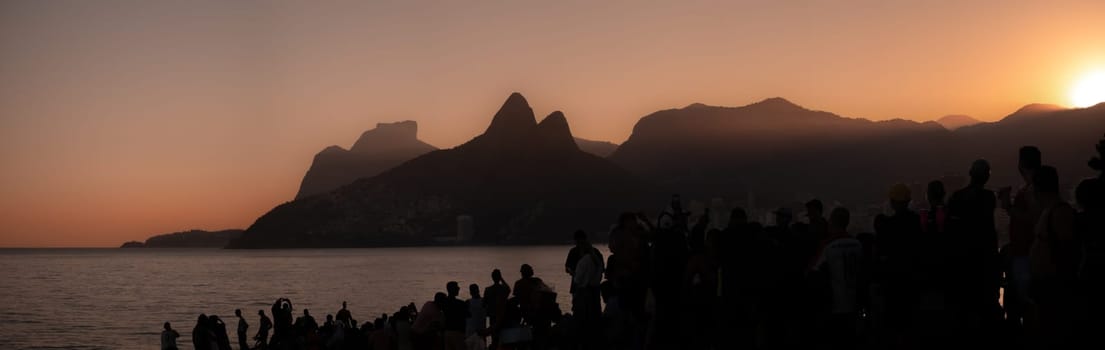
x=121, y=119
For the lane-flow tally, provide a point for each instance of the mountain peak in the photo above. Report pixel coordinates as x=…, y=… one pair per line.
x=956, y=121
x=1033, y=109
x=1038, y=108
x=555, y=133
x=385, y=135
x=778, y=103
x=514, y=116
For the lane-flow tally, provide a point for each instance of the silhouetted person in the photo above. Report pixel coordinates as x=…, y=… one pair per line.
x=307, y=327
x=477, y=312
x=222, y=340
x=202, y=336
x=1090, y=230
x=495, y=298
x=934, y=267
x=897, y=241
x=818, y=227
x=977, y=274
x=1054, y=260
x=262, y=336
x=282, y=321
x=1024, y=211
x=344, y=316
x=839, y=263
x=586, y=277
x=525, y=289
x=429, y=323
x=737, y=283
x=243, y=329
x=573, y=254
x=629, y=242
x=456, y=318
x=168, y=338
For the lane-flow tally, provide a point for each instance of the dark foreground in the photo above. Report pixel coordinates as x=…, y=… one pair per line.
x=927, y=278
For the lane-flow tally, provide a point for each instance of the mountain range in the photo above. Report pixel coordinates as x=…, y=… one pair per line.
x=383, y=148
x=519, y=182
x=524, y=181
x=780, y=150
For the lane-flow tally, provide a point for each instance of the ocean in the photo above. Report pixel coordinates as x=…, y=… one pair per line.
x=119, y=298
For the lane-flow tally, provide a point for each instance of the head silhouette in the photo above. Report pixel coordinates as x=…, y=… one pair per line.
x=496, y=276
x=580, y=238
x=306, y=312
x=238, y=312
x=343, y=305
x=474, y=290
x=260, y=312
x=1029, y=160
x=329, y=318
x=935, y=193
x=814, y=208
x=453, y=288
x=440, y=298
x=202, y=320
x=526, y=271
x=167, y=326
x=980, y=172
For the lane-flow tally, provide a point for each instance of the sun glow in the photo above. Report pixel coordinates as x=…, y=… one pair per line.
x=1090, y=90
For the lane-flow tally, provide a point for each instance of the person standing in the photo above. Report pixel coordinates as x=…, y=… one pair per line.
x=839, y=260
x=202, y=336
x=243, y=327
x=262, y=336
x=1024, y=211
x=168, y=338
x=977, y=273
x=495, y=297
x=456, y=318
x=1054, y=259
x=586, y=277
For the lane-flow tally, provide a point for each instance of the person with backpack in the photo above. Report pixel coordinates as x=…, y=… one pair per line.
x=1054, y=259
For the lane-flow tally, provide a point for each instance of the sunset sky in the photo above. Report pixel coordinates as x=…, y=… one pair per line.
x=122, y=119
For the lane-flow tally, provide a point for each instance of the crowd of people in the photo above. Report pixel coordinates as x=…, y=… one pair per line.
x=925, y=278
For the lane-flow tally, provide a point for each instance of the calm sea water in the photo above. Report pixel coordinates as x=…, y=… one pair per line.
x=118, y=298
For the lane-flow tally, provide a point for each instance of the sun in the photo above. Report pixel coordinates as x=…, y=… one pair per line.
x=1089, y=91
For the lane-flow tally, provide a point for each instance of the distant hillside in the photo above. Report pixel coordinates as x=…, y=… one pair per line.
x=598, y=148
x=952, y=122
x=379, y=149
x=780, y=150
x=188, y=239
x=519, y=182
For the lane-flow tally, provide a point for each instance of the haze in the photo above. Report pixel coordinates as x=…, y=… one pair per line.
x=122, y=119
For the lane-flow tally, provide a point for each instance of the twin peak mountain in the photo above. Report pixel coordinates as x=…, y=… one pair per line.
x=521, y=181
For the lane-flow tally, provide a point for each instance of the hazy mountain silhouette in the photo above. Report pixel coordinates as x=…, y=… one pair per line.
x=780, y=150
x=188, y=239
x=598, y=148
x=377, y=150
x=956, y=121
x=520, y=181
